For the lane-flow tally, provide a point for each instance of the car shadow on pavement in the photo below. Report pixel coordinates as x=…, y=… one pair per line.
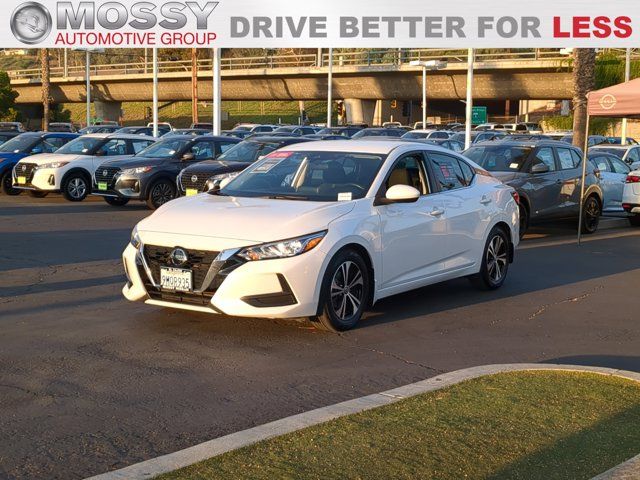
x=618, y=362
x=59, y=209
x=61, y=286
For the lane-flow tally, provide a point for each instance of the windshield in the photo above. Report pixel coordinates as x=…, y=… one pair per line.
x=19, y=144
x=313, y=176
x=496, y=158
x=248, y=151
x=333, y=131
x=165, y=148
x=618, y=152
x=82, y=146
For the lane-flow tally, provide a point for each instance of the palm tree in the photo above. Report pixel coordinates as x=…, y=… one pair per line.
x=584, y=81
x=46, y=88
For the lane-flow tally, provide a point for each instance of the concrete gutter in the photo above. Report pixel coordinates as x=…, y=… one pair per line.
x=183, y=458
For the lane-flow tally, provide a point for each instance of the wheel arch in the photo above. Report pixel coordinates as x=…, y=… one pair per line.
x=85, y=173
x=150, y=182
x=504, y=226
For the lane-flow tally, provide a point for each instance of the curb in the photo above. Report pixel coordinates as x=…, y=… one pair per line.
x=183, y=458
x=629, y=470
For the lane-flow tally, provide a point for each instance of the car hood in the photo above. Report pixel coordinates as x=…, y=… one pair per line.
x=129, y=161
x=12, y=156
x=213, y=166
x=253, y=220
x=43, y=158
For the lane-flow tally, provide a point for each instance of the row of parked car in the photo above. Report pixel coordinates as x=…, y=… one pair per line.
x=121, y=167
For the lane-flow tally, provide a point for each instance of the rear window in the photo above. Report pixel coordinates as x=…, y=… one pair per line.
x=497, y=158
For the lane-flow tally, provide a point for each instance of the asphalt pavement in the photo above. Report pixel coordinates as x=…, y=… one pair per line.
x=91, y=383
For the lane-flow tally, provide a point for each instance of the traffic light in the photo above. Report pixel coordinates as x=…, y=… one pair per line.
x=394, y=104
x=340, y=109
x=147, y=112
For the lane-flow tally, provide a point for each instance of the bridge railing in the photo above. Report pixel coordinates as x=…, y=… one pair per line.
x=354, y=58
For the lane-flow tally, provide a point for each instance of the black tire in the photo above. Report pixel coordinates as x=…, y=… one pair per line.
x=591, y=213
x=524, y=220
x=116, y=201
x=495, y=261
x=341, y=307
x=160, y=193
x=7, y=184
x=38, y=194
x=635, y=221
x=76, y=187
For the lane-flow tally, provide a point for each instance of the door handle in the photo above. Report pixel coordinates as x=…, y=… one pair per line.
x=485, y=200
x=436, y=212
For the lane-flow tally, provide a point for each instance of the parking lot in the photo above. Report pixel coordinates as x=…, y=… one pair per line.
x=91, y=382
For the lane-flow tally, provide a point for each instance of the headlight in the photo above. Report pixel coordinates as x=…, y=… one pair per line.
x=282, y=249
x=135, y=239
x=222, y=176
x=137, y=170
x=53, y=165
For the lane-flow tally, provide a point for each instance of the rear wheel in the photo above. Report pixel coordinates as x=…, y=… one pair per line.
x=635, y=221
x=116, y=201
x=344, y=294
x=75, y=187
x=160, y=193
x=7, y=184
x=591, y=213
x=495, y=261
x=37, y=194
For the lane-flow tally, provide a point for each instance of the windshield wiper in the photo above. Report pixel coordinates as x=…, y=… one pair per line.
x=286, y=197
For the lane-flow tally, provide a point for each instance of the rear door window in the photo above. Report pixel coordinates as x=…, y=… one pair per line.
x=545, y=155
x=447, y=171
x=566, y=159
x=619, y=166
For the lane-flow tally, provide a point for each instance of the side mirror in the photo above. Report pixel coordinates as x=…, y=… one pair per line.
x=188, y=157
x=540, y=168
x=36, y=150
x=400, y=194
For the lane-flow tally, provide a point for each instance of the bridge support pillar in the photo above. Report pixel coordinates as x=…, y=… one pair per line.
x=111, y=111
x=360, y=111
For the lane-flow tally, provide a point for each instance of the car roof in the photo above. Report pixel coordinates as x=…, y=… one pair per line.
x=614, y=145
x=527, y=143
x=379, y=147
x=123, y=136
x=275, y=139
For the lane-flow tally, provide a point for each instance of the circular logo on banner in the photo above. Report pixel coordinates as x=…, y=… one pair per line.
x=608, y=101
x=31, y=22
x=179, y=257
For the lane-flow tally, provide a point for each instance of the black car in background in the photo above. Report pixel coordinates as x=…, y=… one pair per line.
x=547, y=176
x=343, y=131
x=480, y=136
x=150, y=176
x=379, y=132
x=204, y=176
x=100, y=129
x=145, y=130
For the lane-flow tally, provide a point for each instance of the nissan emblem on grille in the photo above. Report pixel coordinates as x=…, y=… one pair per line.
x=178, y=257
x=194, y=179
x=105, y=172
x=24, y=168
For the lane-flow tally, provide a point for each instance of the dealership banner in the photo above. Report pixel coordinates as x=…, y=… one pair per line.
x=324, y=23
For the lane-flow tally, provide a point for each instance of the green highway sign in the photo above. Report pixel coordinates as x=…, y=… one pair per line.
x=479, y=115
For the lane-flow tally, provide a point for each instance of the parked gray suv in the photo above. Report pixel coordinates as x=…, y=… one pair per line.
x=546, y=174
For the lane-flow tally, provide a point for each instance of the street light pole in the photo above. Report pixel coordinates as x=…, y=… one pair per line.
x=330, y=89
x=469, y=111
x=155, y=92
x=627, y=77
x=88, y=79
x=428, y=65
x=217, y=93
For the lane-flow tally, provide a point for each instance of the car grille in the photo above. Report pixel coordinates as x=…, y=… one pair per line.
x=26, y=170
x=195, y=180
x=199, y=262
x=106, y=174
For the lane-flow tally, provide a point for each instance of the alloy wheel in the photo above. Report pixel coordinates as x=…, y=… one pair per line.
x=347, y=290
x=497, y=258
x=77, y=187
x=591, y=214
x=161, y=194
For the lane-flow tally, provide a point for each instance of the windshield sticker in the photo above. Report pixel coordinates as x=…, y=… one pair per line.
x=280, y=154
x=345, y=197
x=268, y=164
x=514, y=165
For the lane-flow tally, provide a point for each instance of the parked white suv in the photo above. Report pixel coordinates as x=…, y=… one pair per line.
x=324, y=230
x=71, y=168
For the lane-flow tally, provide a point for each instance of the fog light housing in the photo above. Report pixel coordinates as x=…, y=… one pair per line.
x=52, y=180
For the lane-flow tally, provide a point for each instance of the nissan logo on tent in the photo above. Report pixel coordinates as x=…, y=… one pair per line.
x=31, y=22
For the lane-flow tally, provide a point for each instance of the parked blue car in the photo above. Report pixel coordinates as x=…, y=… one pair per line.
x=24, y=145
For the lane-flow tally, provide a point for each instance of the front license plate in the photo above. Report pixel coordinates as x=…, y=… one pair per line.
x=191, y=192
x=103, y=186
x=22, y=180
x=177, y=279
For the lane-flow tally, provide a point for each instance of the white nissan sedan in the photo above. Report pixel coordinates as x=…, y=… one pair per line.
x=324, y=230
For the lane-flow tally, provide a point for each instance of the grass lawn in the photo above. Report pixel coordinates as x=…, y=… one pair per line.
x=528, y=425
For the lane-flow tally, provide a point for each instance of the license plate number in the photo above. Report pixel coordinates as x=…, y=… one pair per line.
x=176, y=279
x=191, y=192
x=102, y=186
x=22, y=180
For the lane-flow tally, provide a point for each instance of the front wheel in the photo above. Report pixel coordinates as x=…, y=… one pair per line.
x=495, y=261
x=116, y=201
x=75, y=187
x=160, y=193
x=591, y=213
x=344, y=294
x=7, y=185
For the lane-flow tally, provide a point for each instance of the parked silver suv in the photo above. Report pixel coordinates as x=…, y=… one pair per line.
x=546, y=174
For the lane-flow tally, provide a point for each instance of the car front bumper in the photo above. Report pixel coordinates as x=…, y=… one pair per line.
x=279, y=288
x=43, y=179
x=122, y=186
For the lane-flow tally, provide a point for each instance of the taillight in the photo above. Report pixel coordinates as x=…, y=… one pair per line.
x=515, y=196
x=633, y=178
